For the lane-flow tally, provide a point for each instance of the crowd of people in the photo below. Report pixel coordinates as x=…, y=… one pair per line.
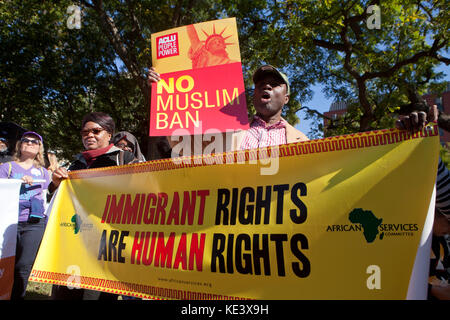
x=104, y=147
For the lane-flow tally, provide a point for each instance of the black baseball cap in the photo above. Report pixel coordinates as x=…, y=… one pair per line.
x=261, y=71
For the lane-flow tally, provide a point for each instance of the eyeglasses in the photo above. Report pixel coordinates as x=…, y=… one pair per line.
x=95, y=131
x=33, y=141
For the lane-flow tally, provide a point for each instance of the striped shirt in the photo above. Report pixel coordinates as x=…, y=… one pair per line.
x=443, y=188
x=261, y=135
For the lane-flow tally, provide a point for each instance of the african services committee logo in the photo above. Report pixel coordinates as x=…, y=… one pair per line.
x=76, y=223
x=372, y=227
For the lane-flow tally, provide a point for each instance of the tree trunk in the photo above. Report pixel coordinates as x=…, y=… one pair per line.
x=367, y=117
x=153, y=147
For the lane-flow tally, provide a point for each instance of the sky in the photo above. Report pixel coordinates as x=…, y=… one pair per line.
x=322, y=103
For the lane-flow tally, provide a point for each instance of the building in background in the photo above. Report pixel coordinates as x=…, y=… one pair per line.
x=337, y=109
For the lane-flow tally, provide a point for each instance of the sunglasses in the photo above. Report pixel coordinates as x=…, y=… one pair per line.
x=95, y=131
x=33, y=141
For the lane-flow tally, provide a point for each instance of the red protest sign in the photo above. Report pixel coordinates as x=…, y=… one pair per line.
x=201, y=87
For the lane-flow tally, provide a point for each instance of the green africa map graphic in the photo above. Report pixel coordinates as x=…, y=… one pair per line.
x=76, y=223
x=369, y=222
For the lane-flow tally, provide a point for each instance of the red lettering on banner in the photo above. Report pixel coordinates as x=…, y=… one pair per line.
x=174, y=212
x=115, y=209
x=161, y=208
x=160, y=252
x=164, y=250
x=180, y=256
x=105, y=212
x=131, y=210
x=196, y=252
x=151, y=197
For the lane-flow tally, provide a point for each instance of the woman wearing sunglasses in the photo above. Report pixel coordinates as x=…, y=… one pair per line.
x=97, y=129
x=28, y=165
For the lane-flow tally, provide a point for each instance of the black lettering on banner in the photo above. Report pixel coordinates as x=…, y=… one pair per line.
x=223, y=198
x=301, y=217
x=121, y=246
x=263, y=204
x=306, y=270
x=222, y=212
x=112, y=250
x=218, y=247
x=102, y=250
x=234, y=205
x=246, y=218
x=262, y=253
x=230, y=246
x=245, y=268
x=279, y=239
x=280, y=189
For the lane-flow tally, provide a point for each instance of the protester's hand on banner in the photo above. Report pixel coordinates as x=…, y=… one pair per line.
x=27, y=180
x=441, y=291
x=58, y=175
x=153, y=76
x=417, y=120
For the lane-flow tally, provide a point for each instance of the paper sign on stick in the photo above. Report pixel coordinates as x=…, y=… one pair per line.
x=201, y=86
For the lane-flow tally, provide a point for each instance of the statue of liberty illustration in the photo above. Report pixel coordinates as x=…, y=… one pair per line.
x=210, y=52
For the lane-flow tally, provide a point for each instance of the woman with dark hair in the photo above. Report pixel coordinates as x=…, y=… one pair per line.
x=97, y=129
x=28, y=165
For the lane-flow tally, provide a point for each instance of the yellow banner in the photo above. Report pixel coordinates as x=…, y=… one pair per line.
x=335, y=218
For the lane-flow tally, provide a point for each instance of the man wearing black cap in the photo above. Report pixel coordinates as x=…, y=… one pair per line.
x=267, y=127
x=4, y=156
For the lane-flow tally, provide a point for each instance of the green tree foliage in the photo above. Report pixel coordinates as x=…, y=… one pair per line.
x=444, y=154
x=375, y=69
x=49, y=73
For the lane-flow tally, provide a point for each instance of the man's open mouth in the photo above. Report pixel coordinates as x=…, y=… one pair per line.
x=265, y=97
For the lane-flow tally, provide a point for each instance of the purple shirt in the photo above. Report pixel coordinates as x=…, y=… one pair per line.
x=27, y=192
